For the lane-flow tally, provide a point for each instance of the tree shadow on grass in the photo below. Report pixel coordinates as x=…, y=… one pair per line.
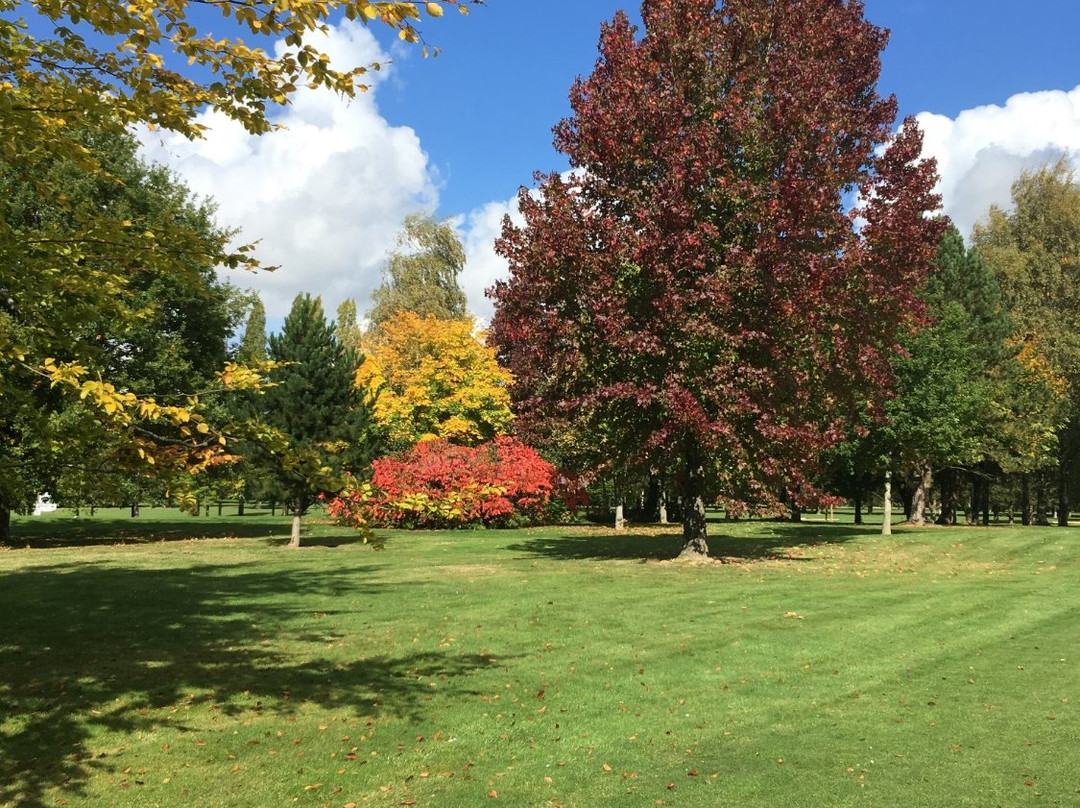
x=87, y=648
x=83, y=533
x=86, y=533
x=776, y=541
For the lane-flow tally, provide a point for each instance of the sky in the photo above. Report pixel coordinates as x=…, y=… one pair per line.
x=995, y=85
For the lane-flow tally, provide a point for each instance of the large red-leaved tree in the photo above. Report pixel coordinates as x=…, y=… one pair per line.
x=724, y=276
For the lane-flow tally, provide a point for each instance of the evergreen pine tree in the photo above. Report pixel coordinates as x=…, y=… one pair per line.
x=318, y=409
x=253, y=344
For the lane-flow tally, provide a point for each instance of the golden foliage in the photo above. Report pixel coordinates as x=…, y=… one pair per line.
x=434, y=379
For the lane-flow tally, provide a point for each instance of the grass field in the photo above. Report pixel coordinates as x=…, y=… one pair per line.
x=819, y=666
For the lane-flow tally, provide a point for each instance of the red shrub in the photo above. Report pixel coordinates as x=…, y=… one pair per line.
x=437, y=484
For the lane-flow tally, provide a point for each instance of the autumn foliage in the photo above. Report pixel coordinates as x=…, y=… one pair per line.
x=436, y=484
x=434, y=378
x=702, y=296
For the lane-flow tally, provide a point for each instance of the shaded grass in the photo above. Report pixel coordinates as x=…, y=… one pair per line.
x=822, y=665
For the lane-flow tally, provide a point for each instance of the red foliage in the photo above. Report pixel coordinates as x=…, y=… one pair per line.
x=726, y=278
x=436, y=484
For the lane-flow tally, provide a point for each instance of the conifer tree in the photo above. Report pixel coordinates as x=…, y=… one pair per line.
x=324, y=419
x=253, y=343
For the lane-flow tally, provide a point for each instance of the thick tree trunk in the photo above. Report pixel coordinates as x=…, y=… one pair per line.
x=694, y=525
x=620, y=520
x=921, y=478
x=1042, y=502
x=5, y=525
x=947, y=484
x=294, y=537
x=796, y=513
x=858, y=507
x=1025, y=500
x=240, y=507
x=134, y=509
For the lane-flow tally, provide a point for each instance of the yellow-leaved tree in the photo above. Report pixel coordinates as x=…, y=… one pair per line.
x=434, y=378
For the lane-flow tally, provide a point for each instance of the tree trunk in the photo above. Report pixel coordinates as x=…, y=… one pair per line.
x=1063, y=494
x=694, y=525
x=947, y=484
x=240, y=507
x=134, y=509
x=1025, y=500
x=5, y=525
x=922, y=478
x=663, y=506
x=886, y=508
x=620, y=520
x=219, y=506
x=858, y=506
x=1042, y=502
x=294, y=537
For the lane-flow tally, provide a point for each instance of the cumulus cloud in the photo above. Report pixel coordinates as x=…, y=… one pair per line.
x=324, y=197
x=478, y=231
x=983, y=150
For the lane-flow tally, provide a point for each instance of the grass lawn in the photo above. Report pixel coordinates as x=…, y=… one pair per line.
x=821, y=666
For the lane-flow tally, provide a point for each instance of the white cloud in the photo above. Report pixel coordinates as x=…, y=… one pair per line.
x=478, y=231
x=983, y=150
x=325, y=196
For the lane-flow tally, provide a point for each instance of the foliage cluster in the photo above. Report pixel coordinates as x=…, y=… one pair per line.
x=437, y=484
x=434, y=378
x=698, y=298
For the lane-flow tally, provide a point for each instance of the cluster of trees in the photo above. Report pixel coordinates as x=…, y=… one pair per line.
x=106, y=267
x=742, y=294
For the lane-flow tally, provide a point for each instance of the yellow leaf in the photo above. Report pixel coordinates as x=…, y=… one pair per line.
x=435, y=9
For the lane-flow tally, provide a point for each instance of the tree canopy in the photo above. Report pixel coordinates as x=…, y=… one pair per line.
x=421, y=276
x=697, y=294
x=158, y=331
x=1034, y=250
x=73, y=76
x=434, y=378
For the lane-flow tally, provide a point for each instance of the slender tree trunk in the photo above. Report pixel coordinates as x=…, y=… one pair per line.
x=663, y=506
x=694, y=525
x=922, y=478
x=240, y=507
x=294, y=537
x=1063, y=494
x=134, y=509
x=620, y=520
x=858, y=506
x=1025, y=500
x=219, y=506
x=886, y=508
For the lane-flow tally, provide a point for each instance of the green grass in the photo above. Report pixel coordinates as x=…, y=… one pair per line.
x=820, y=666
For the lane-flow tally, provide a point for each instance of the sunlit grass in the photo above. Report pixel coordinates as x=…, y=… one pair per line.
x=820, y=665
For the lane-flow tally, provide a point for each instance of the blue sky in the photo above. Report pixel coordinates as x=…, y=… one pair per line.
x=995, y=84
